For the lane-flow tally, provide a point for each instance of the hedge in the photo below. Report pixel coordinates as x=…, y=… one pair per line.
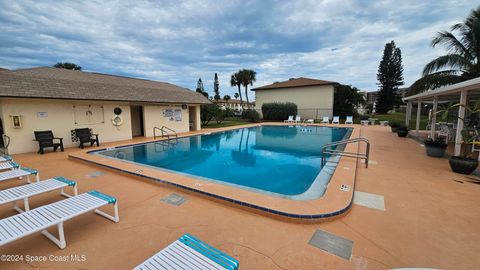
x=277, y=111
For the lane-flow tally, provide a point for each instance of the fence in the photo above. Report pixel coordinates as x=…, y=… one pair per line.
x=310, y=113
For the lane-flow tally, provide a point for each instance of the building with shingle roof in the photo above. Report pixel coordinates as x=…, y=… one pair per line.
x=314, y=98
x=61, y=100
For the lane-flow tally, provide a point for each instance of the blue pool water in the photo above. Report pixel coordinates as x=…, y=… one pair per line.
x=279, y=160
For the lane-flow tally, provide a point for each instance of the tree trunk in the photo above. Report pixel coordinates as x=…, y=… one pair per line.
x=246, y=95
x=240, y=94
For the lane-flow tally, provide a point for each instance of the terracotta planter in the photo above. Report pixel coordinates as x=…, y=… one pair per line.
x=463, y=165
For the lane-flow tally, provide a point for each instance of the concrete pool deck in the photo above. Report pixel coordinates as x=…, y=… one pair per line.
x=430, y=220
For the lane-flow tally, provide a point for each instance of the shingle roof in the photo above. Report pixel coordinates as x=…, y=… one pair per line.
x=56, y=83
x=295, y=82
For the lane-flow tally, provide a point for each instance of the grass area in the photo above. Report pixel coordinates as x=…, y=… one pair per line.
x=226, y=123
x=400, y=118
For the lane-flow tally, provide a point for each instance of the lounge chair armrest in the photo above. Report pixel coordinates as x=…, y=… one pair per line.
x=58, y=138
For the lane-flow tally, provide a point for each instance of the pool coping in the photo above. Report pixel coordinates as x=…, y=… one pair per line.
x=335, y=201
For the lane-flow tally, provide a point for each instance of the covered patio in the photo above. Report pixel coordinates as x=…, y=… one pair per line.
x=462, y=93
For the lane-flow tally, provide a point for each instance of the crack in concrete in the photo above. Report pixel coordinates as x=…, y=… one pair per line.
x=371, y=241
x=256, y=251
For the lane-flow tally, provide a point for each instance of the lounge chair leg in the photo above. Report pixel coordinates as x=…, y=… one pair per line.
x=37, y=176
x=112, y=218
x=60, y=242
x=26, y=205
x=75, y=192
x=28, y=179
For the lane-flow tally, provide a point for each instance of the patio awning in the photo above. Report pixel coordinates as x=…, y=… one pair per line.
x=457, y=93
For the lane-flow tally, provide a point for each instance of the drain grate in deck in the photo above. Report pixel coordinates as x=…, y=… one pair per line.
x=174, y=199
x=332, y=243
x=95, y=174
x=369, y=200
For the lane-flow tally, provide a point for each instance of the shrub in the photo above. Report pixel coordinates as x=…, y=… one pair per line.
x=438, y=142
x=251, y=115
x=278, y=111
x=207, y=112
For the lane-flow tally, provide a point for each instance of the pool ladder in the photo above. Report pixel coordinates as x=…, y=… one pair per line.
x=165, y=132
x=326, y=150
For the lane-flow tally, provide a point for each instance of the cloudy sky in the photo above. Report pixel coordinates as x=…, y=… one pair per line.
x=179, y=41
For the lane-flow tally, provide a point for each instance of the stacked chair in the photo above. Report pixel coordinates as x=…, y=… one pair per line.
x=29, y=221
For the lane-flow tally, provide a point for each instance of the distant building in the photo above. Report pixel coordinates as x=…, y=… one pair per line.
x=314, y=98
x=234, y=104
x=372, y=97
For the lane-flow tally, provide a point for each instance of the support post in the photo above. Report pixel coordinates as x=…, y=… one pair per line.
x=461, y=116
x=419, y=110
x=433, y=121
x=408, y=115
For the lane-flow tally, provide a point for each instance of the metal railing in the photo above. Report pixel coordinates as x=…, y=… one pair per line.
x=164, y=132
x=365, y=156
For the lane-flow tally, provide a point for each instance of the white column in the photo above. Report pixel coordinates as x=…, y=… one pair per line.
x=433, y=122
x=408, y=115
x=461, y=116
x=419, y=110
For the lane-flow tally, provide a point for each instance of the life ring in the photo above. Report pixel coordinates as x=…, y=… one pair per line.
x=117, y=120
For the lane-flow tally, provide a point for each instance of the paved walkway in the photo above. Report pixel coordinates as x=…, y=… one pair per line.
x=431, y=219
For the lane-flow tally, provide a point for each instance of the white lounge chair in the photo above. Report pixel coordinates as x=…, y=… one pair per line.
x=298, y=119
x=325, y=120
x=189, y=252
x=9, y=165
x=18, y=173
x=26, y=191
x=309, y=121
x=336, y=120
x=54, y=214
x=5, y=158
x=349, y=120
x=289, y=120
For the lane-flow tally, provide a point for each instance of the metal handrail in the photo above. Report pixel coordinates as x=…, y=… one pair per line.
x=164, y=132
x=365, y=156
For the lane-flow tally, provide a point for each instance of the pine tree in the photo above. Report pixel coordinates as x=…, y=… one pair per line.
x=390, y=77
x=200, y=89
x=216, y=88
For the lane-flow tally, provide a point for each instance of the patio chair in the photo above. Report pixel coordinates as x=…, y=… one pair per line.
x=85, y=135
x=298, y=119
x=17, y=173
x=46, y=139
x=189, y=252
x=349, y=120
x=325, y=120
x=54, y=214
x=289, y=120
x=10, y=165
x=444, y=132
x=5, y=158
x=24, y=192
x=336, y=120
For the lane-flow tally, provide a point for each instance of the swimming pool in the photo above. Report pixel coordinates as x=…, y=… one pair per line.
x=283, y=161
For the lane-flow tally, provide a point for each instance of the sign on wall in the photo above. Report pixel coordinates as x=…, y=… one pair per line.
x=88, y=114
x=173, y=114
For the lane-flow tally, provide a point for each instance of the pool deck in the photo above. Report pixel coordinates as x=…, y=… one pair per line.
x=431, y=218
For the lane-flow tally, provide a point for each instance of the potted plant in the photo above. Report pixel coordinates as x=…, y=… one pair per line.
x=435, y=148
x=394, y=126
x=402, y=131
x=465, y=163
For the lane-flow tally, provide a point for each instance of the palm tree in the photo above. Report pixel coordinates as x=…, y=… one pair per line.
x=235, y=81
x=247, y=77
x=226, y=98
x=462, y=61
x=235, y=95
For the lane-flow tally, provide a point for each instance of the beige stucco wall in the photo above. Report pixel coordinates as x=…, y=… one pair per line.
x=309, y=99
x=60, y=119
x=153, y=117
